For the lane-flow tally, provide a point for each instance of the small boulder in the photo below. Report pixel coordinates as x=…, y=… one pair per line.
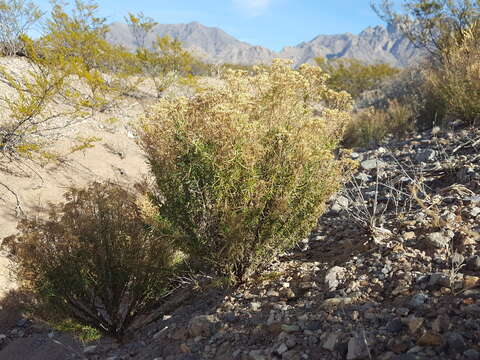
x=437, y=240
x=203, y=325
x=340, y=203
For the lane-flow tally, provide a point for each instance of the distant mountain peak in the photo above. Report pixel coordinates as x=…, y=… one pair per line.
x=374, y=44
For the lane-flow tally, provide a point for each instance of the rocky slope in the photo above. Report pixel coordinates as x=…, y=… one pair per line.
x=405, y=287
x=373, y=45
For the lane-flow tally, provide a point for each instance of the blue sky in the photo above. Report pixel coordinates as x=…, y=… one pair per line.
x=269, y=23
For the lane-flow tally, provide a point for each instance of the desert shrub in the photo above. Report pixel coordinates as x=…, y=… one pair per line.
x=448, y=32
x=33, y=118
x=16, y=19
x=165, y=62
x=429, y=24
x=355, y=77
x=243, y=170
x=411, y=89
x=78, y=34
x=457, y=81
x=370, y=126
x=140, y=27
x=96, y=258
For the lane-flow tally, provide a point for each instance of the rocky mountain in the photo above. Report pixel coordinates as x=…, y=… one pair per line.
x=372, y=45
x=211, y=44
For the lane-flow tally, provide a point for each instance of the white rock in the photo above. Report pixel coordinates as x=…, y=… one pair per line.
x=334, y=276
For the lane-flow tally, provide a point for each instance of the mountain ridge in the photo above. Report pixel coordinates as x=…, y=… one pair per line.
x=374, y=44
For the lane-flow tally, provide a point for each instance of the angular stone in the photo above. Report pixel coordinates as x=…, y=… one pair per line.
x=340, y=203
x=414, y=323
x=203, y=325
x=417, y=300
x=437, y=240
x=256, y=355
x=395, y=325
x=90, y=349
x=331, y=342
x=438, y=280
x=282, y=348
x=441, y=324
x=334, y=276
x=426, y=155
x=357, y=349
x=290, y=328
x=337, y=301
x=473, y=263
x=372, y=164
x=430, y=339
x=256, y=306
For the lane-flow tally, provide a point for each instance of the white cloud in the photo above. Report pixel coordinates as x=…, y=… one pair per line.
x=253, y=7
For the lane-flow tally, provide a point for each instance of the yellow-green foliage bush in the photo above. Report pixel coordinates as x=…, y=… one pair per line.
x=72, y=70
x=355, y=77
x=96, y=257
x=17, y=17
x=457, y=81
x=243, y=170
x=165, y=61
x=79, y=34
x=370, y=126
x=32, y=115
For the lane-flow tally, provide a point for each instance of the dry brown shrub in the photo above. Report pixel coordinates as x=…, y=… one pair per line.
x=370, y=126
x=457, y=81
x=95, y=258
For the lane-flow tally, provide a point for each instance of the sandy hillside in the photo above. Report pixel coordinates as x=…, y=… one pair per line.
x=115, y=156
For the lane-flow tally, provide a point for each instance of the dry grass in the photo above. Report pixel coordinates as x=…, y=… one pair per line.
x=370, y=126
x=457, y=81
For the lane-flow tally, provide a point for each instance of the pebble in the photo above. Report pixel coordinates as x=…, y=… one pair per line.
x=372, y=164
x=417, y=300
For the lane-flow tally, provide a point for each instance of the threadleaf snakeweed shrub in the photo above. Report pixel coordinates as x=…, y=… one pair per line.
x=95, y=259
x=243, y=170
